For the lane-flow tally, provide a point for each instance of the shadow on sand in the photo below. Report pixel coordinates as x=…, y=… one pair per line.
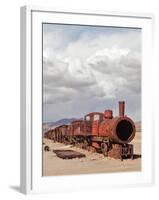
x=136, y=156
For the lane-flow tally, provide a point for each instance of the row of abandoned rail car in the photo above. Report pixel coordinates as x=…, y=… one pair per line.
x=99, y=132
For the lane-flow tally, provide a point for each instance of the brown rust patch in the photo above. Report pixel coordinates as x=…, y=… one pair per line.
x=68, y=154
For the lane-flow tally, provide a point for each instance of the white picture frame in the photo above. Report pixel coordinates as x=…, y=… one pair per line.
x=31, y=100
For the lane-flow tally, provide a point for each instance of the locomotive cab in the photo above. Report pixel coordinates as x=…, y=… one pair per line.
x=94, y=116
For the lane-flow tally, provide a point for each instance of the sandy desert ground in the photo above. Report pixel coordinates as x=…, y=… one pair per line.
x=92, y=163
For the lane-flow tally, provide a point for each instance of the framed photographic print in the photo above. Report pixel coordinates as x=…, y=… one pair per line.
x=86, y=100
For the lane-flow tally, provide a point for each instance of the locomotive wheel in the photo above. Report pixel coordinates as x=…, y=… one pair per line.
x=104, y=149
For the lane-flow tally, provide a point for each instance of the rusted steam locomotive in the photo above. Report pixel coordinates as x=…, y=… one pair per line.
x=99, y=132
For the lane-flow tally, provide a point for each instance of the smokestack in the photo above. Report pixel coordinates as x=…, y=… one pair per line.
x=121, y=108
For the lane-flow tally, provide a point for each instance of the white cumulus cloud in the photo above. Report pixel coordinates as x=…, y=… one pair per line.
x=90, y=67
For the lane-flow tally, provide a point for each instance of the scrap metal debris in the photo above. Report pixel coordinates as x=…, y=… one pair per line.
x=68, y=154
x=46, y=148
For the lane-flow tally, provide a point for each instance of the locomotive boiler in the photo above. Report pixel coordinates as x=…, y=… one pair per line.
x=113, y=134
x=99, y=132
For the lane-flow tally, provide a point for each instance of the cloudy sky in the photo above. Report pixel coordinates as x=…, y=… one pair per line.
x=90, y=68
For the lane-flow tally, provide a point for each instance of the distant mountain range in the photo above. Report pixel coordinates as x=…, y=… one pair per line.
x=50, y=125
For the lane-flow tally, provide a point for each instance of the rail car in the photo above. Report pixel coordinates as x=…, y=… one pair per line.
x=99, y=132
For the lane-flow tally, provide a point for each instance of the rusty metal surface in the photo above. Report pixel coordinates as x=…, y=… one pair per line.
x=111, y=128
x=96, y=128
x=95, y=145
x=68, y=154
x=91, y=116
x=120, y=129
x=80, y=127
x=121, y=108
x=108, y=114
x=119, y=151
